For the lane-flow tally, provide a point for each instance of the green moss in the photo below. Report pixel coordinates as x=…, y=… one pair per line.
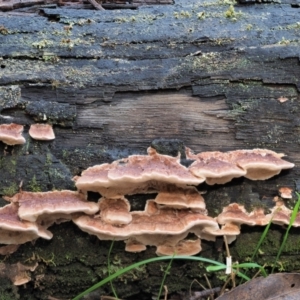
x=3, y=30
x=232, y=14
x=182, y=14
x=48, y=159
x=7, y=296
x=246, y=244
x=55, y=174
x=201, y=15
x=42, y=44
x=10, y=190
x=65, y=153
x=34, y=186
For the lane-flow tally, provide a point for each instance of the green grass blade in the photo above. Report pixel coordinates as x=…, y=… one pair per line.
x=234, y=267
x=262, y=238
x=250, y=266
x=215, y=268
x=292, y=219
x=243, y=276
x=165, y=276
x=138, y=264
x=109, y=269
x=155, y=259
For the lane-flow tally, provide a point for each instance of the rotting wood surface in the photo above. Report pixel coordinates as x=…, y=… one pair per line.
x=111, y=82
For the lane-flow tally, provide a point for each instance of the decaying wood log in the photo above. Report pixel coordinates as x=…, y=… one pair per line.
x=215, y=75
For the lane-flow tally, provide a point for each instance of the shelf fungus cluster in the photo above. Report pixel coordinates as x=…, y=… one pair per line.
x=29, y=214
x=174, y=221
x=178, y=209
x=11, y=134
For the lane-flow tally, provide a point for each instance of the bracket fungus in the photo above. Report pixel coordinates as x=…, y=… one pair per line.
x=154, y=226
x=260, y=164
x=136, y=174
x=16, y=231
x=178, y=209
x=11, y=134
x=42, y=132
x=175, y=197
x=216, y=171
x=286, y=192
x=18, y=273
x=237, y=214
x=47, y=207
x=174, y=221
x=219, y=168
x=281, y=215
x=115, y=211
x=184, y=247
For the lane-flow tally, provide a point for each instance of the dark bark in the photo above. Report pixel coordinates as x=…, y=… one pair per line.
x=111, y=82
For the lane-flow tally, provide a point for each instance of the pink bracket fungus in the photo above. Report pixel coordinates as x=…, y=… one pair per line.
x=237, y=214
x=46, y=207
x=260, y=164
x=216, y=171
x=136, y=174
x=281, y=215
x=15, y=231
x=11, y=134
x=219, y=168
x=167, y=221
x=286, y=192
x=178, y=209
x=184, y=247
x=175, y=197
x=17, y=273
x=153, y=226
x=42, y=132
x=93, y=178
x=154, y=166
x=133, y=245
x=115, y=211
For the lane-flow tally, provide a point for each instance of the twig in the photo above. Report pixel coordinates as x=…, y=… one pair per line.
x=96, y=5
x=199, y=295
x=166, y=292
x=210, y=287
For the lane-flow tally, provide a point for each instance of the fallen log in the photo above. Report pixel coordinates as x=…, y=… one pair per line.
x=216, y=75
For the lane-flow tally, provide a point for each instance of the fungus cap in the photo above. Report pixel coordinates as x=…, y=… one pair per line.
x=42, y=132
x=183, y=247
x=216, y=171
x=281, y=215
x=15, y=231
x=11, y=134
x=154, y=166
x=230, y=230
x=17, y=273
x=260, y=164
x=257, y=164
x=179, y=198
x=153, y=226
x=151, y=221
x=53, y=205
x=115, y=211
x=132, y=245
x=286, y=192
x=237, y=214
x=136, y=174
x=93, y=177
